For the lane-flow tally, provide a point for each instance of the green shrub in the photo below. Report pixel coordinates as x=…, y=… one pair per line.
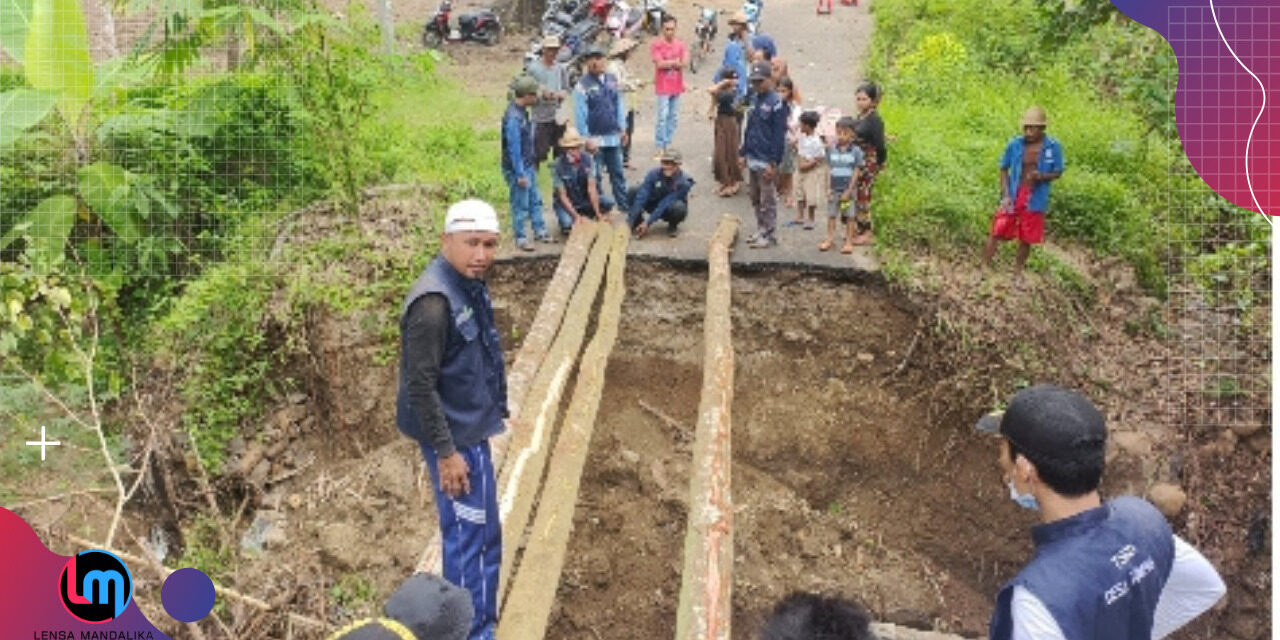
x=958, y=75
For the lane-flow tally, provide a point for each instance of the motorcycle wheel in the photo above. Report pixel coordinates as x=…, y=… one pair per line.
x=695, y=59
x=431, y=38
x=490, y=37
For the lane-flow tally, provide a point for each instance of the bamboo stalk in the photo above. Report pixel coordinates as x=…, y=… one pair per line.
x=706, y=585
x=532, y=592
x=522, y=472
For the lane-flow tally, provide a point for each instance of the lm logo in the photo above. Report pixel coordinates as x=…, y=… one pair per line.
x=95, y=586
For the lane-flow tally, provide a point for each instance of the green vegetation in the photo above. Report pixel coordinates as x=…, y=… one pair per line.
x=144, y=195
x=957, y=76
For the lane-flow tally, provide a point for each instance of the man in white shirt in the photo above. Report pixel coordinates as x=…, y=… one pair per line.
x=1102, y=571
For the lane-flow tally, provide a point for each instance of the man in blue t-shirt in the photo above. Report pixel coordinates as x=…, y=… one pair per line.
x=1030, y=163
x=1101, y=571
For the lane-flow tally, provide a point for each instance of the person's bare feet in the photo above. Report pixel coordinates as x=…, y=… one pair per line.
x=863, y=238
x=826, y=245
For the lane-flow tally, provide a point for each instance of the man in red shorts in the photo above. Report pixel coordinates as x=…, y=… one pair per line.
x=1030, y=163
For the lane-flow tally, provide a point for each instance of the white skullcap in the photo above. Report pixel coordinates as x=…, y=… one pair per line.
x=471, y=215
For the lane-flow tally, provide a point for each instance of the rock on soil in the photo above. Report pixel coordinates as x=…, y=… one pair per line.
x=1168, y=498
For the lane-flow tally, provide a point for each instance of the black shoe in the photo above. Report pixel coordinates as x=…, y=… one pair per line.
x=672, y=231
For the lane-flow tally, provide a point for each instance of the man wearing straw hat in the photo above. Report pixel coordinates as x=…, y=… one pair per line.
x=575, y=185
x=553, y=87
x=1030, y=163
x=735, y=52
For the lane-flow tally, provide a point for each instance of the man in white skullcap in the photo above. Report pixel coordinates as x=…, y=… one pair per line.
x=452, y=399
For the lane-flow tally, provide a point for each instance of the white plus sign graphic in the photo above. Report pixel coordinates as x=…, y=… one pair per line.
x=44, y=442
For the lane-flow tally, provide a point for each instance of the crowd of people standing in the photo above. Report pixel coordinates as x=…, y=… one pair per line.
x=760, y=138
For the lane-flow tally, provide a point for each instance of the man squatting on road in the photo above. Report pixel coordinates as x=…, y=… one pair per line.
x=453, y=397
x=1101, y=571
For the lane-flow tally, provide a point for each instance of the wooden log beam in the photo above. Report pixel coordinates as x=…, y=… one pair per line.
x=521, y=473
x=537, y=341
x=533, y=589
x=706, y=583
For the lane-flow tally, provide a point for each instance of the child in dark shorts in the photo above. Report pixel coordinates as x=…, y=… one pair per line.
x=845, y=162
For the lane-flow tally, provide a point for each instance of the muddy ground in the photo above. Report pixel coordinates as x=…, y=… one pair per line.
x=855, y=467
x=842, y=480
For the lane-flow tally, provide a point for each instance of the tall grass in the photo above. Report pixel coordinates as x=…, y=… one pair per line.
x=958, y=75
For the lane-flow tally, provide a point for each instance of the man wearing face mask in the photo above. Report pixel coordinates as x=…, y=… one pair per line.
x=1101, y=571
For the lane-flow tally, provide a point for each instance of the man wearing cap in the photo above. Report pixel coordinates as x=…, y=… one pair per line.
x=670, y=57
x=519, y=165
x=424, y=607
x=735, y=52
x=763, y=145
x=1101, y=571
x=452, y=398
x=664, y=194
x=599, y=112
x=575, y=182
x=1030, y=163
x=553, y=87
x=764, y=46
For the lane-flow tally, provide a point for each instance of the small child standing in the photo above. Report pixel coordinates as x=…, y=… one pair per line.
x=811, y=162
x=845, y=160
x=869, y=135
x=725, y=113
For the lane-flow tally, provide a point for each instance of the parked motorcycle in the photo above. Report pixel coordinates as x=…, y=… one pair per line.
x=654, y=13
x=481, y=26
x=705, y=31
x=753, y=9
x=573, y=43
x=623, y=20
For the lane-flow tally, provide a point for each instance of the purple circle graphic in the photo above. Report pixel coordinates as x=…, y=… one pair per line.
x=187, y=595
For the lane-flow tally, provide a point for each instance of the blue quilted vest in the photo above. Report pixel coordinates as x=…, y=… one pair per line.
x=1100, y=572
x=602, y=104
x=472, y=384
x=526, y=137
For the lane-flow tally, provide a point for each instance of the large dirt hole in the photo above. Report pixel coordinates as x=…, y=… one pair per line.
x=846, y=478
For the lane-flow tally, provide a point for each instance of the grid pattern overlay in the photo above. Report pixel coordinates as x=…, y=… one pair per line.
x=1219, y=101
x=1220, y=304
